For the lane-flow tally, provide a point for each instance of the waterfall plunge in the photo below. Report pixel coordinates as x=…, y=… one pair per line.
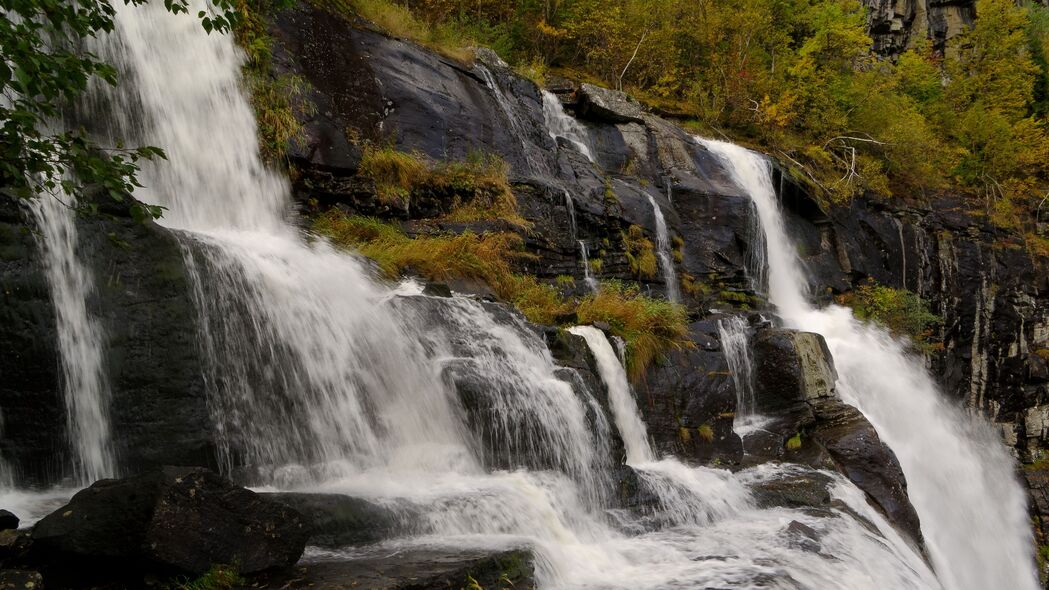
x=959, y=475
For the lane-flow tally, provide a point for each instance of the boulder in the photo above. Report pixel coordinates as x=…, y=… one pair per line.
x=337, y=521
x=610, y=106
x=795, y=386
x=8, y=520
x=410, y=568
x=174, y=520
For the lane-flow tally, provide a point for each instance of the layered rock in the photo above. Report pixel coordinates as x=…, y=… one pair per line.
x=897, y=25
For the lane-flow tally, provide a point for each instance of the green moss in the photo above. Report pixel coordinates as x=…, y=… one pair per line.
x=219, y=577
x=794, y=442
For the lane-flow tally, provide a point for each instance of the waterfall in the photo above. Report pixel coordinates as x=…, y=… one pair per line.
x=81, y=342
x=561, y=124
x=570, y=206
x=588, y=278
x=624, y=408
x=735, y=343
x=326, y=381
x=666, y=260
x=959, y=474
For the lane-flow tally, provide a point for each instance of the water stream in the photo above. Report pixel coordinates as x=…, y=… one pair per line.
x=81, y=342
x=561, y=124
x=960, y=476
x=666, y=260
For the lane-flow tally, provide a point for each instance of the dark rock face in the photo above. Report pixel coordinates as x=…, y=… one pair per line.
x=688, y=402
x=411, y=569
x=174, y=520
x=158, y=408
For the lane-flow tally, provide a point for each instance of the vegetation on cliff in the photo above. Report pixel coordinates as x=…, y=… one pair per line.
x=650, y=327
x=898, y=310
x=797, y=78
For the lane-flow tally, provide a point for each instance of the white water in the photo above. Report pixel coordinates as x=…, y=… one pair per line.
x=959, y=474
x=735, y=343
x=327, y=381
x=588, y=278
x=561, y=124
x=81, y=342
x=570, y=206
x=666, y=261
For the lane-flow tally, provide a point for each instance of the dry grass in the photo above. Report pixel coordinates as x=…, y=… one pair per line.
x=651, y=327
x=487, y=257
x=640, y=252
x=395, y=173
x=478, y=186
x=397, y=21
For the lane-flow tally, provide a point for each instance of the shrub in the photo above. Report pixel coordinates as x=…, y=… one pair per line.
x=900, y=311
x=650, y=327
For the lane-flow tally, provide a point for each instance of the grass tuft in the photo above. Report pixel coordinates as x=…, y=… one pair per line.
x=486, y=257
x=395, y=173
x=640, y=252
x=219, y=577
x=398, y=21
x=651, y=327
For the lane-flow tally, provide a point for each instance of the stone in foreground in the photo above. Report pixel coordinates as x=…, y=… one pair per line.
x=175, y=520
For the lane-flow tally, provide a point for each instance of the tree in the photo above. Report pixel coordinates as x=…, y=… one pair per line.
x=43, y=71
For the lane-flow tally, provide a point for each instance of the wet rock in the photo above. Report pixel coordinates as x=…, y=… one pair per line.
x=799, y=488
x=794, y=385
x=336, y=520
x=8, y=520
x=143, y=299
x=688, y=401
x=803, y=536
x=410, y=568
x=169, y=521
x=612, y=106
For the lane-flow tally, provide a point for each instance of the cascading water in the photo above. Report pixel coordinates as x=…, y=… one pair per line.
x=326, y=381
x=666, y=261
x=80, y=342
x=570, y=206
x=959, y=474
x=561, y=124
x=588, y=277
x=735, y=343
